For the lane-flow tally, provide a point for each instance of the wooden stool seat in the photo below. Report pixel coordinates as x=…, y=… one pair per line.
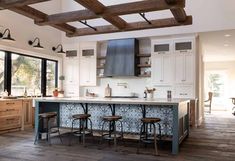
x=81, y=116
x=47, y=120
x=48, y=114
x=112, y=118
x=150, y=120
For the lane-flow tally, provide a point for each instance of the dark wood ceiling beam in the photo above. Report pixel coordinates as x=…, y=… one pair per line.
x=6, y=4
x=120, y=9
x=179, y=13
x=98, y=8
x=67, y=17
x=38, y=15
x=29, y=12
x=161, y=23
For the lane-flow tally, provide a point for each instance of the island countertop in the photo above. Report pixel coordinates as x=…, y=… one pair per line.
x=155, y=101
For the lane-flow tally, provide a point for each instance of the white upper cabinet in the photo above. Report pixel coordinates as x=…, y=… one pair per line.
x=161, y=47
x=184, y=68
x=71, y=71
x=162, y=71
x=87, y=57
x=162, y=62
x=184, y=61
x=183, y=45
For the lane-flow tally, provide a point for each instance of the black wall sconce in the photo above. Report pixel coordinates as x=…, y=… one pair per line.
x=61, y=51
x=6, y=36
x=37, y=45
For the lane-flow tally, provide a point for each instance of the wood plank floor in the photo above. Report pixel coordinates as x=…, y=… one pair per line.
x=213, y=141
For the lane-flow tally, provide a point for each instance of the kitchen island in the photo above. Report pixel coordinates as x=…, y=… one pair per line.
x=173, y=113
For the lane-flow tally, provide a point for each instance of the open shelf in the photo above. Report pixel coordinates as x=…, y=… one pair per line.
x=144, y=55
x=144, y=75
x=101, y=57
x=100, y=67
x=144, y=65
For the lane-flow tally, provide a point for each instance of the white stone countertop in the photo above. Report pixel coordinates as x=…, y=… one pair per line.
x=155, y=101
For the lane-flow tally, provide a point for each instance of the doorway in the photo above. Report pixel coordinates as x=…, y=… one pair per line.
x=216, y=81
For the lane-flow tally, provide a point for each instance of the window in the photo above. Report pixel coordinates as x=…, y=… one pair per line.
x=26, y=75
x=51, y=77
x=2, y=60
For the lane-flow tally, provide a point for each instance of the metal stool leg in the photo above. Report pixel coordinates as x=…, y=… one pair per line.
x=49, y=131
x=155, y=139
x=102, y=132
x=71, y=133
x=83, y=131
x=141, y=130
x=115, y=135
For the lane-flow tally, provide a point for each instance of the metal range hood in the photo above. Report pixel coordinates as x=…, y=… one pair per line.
x=121, y=58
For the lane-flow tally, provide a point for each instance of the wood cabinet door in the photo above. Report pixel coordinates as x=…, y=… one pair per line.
x=27, y=112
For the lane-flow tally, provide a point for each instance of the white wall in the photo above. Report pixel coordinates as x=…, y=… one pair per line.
x=23, y=29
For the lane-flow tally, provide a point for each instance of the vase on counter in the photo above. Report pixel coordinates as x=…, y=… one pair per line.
x=108, y=91
x=150, y=92
x=55, y=92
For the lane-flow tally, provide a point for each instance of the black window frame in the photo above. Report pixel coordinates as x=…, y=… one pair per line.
x=8, y=70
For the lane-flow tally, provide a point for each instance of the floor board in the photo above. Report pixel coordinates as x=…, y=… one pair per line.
x=214, y=140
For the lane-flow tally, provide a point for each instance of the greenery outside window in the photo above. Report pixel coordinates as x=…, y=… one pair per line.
x=26, y=75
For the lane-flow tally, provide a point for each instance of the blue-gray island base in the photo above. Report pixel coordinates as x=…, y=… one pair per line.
x=174, y=114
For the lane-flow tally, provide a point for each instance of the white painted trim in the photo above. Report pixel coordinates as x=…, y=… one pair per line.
x=30, y=53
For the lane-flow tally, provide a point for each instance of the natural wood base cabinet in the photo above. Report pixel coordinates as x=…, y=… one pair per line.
x=10, y=115
x=27, y=113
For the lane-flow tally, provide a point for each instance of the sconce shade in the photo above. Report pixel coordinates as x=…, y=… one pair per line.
x=61, y=51
x=37, y=45
x=7, y=36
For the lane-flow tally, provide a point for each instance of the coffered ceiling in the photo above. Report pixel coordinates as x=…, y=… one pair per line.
x=113, y=17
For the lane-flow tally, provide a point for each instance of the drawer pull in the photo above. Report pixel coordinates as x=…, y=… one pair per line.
x=10, y=103
x=10, y=110
x=10, y=119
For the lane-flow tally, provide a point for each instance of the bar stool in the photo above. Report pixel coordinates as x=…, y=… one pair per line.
x=83, y=130
x=145, y=132
x=47, y=126
x=112, y=133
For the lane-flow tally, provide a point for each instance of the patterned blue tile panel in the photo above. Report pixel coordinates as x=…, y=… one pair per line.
x=131, y=115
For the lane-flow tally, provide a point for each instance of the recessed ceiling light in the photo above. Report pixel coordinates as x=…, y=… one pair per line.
x=226, y=45
x=227, y=35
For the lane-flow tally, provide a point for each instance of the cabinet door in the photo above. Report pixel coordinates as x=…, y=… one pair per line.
x=88, y=71
x=180, y=68
x=184, y=70
x=27, y=112
x=189, y=68
x=71, y=70
x=167, y=69
x=162, y=69
x=156, y=73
